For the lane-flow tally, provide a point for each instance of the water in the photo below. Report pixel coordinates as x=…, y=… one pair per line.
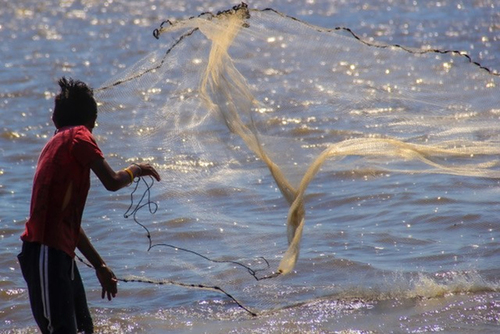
x=378, y=256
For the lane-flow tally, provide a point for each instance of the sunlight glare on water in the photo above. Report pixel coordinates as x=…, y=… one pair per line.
x=382, y=251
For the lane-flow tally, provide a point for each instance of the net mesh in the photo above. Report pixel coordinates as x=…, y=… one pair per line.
x=251, y=115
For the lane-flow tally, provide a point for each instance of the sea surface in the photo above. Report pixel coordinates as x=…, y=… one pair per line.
x=382, y=253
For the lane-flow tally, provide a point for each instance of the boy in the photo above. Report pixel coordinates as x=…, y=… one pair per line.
x=53, y=231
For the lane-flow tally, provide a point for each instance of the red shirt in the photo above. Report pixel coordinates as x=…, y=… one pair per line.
x=60, y=188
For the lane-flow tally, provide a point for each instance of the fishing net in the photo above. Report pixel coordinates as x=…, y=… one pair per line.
x=260, y=124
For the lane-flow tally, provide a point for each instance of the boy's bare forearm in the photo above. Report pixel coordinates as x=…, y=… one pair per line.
x=87, y=249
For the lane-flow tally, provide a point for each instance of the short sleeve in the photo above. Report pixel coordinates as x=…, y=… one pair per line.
x=85, y=149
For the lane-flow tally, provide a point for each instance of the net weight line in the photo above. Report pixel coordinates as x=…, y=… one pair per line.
x=165, y=24
x=384, y=46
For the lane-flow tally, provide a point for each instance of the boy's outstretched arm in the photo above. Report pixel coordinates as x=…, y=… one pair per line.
x=105, y=275
x=116, y=180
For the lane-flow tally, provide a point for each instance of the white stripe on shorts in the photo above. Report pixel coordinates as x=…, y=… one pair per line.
x=43, y=266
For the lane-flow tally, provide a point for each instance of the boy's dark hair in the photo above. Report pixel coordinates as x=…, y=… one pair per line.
x=74, y=105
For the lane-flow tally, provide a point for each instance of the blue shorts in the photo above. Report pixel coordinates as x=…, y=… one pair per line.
x=55, y=289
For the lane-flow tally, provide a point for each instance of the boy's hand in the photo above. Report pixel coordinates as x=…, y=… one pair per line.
x=147, y=169
x=108, y=281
